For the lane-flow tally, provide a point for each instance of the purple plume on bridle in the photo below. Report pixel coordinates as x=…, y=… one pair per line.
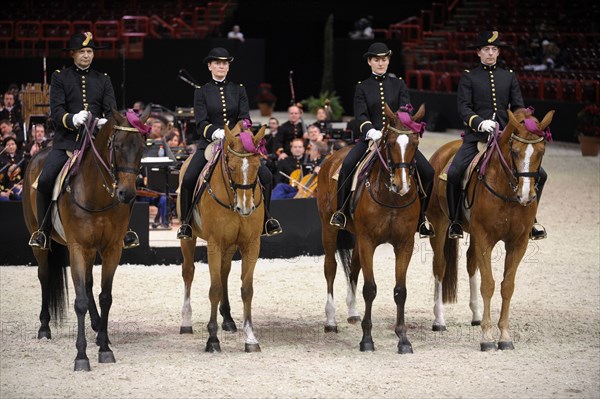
x=134, y=120
x=246, y=124
x=531, y=126
x=248, y=143
x=416, y=127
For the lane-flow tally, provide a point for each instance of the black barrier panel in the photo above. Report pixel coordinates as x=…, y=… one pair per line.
x=299, y=219
x=16, y=251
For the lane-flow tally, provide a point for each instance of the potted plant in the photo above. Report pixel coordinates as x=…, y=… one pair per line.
x=266, y=99
x=325, y=97
x=588, y=129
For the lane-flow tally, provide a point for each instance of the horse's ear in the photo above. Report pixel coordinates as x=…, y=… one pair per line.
x=512, y=118
x=146, y=114
x=546, y=121
x=118, y=116
x=237, y=128
x=420, y=113
x=390, y=115
x=259, y=136
x=229, y=136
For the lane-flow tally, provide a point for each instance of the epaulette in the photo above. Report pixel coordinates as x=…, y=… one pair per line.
x=467, y=71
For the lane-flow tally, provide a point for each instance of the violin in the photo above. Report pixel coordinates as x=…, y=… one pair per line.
x=145, y=192
x=308, y=186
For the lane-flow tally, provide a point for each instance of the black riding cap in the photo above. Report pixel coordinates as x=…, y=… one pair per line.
x=81, y=40
x=378, y=50
x=218, y=53
x=487, y=38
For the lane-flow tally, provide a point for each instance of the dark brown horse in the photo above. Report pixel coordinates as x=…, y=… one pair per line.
x=500, y=205
x=90, y=216
x=229, y=216
x=387, y=211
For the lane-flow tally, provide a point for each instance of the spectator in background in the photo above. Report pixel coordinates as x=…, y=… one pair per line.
x=158, y=128
x=6, y=127
x=285, y=188
x=236, y=34
x=138, y=107
x=12, y=167
x=271, y=160
x=173, y=140
x=323, y=121
x=363, y=29
x=289, y=130
x=10, y=110
x=314, y=136
x=38, y=141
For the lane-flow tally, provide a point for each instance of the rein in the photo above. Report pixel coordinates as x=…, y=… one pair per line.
x=112, y=171
x=226, y=175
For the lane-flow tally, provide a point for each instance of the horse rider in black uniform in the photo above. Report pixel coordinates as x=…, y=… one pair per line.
x=370, y=98
x=74, y=92
x=217, y=103
x=485, y=93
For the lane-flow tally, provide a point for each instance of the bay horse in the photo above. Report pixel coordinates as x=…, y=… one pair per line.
x=500, y=204
x=228, y=216
x=387, y=211
x=91, y=214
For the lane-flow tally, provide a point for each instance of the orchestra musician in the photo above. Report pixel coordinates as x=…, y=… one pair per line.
x=12, y=166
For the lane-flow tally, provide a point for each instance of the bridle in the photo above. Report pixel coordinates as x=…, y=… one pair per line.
x=510, y=170
x=112, y=170
x=228, y=180
x=391, y=167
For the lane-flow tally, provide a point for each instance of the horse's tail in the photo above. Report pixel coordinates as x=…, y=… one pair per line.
x=449, y=284
x=345, y=244
x=58, y=294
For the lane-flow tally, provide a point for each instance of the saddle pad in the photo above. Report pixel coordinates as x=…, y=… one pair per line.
x=481, y=146
x=359, y=168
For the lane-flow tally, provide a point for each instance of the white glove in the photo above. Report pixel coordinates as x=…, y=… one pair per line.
x=374, y=134
x=79, y=118
x=218, y=134
x=101, y=122
x=487, y=126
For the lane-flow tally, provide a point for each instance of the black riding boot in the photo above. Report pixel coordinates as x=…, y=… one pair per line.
x=424, y=228
x=41, y=238
x=338, y=219
x=455, y=230
x=185, y=203
x=271, y=225
x=538, y=232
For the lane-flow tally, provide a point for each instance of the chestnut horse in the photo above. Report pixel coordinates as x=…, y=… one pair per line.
x=386, y=211
x=229, y=216
x=91, y=214
x=500, y=205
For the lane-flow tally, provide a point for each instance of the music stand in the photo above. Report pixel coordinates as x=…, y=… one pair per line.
x=151, y=160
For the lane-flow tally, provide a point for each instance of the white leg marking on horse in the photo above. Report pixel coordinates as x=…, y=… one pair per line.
x=330, y=311
x=249, y=334
x=351, y=301
x=474, y=302
x=525, y=190
x=438, y=306
x=186, y=313
x=402, y=142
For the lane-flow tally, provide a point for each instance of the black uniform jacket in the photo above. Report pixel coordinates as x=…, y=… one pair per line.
x=483, y=92
x=72, y=90
x=285, y=134
x=217, y=104
x=370, y=97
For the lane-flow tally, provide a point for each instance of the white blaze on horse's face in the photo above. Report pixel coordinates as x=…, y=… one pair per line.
x=526, y=191
x=245, y=200
x=402, y=141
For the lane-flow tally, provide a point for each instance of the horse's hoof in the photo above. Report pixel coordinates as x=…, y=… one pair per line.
x=476, y=322
x=212, y=347
x=367, y=346
x=353, y=319
x=438, y=327
x=488, y=346
x=505, y=345
x=330, y=329
x=82, y=365
x=44, y=334
x=186, y=330
x=229, y=326
x=106, y=357
x=251, y=348
x=405, y=348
